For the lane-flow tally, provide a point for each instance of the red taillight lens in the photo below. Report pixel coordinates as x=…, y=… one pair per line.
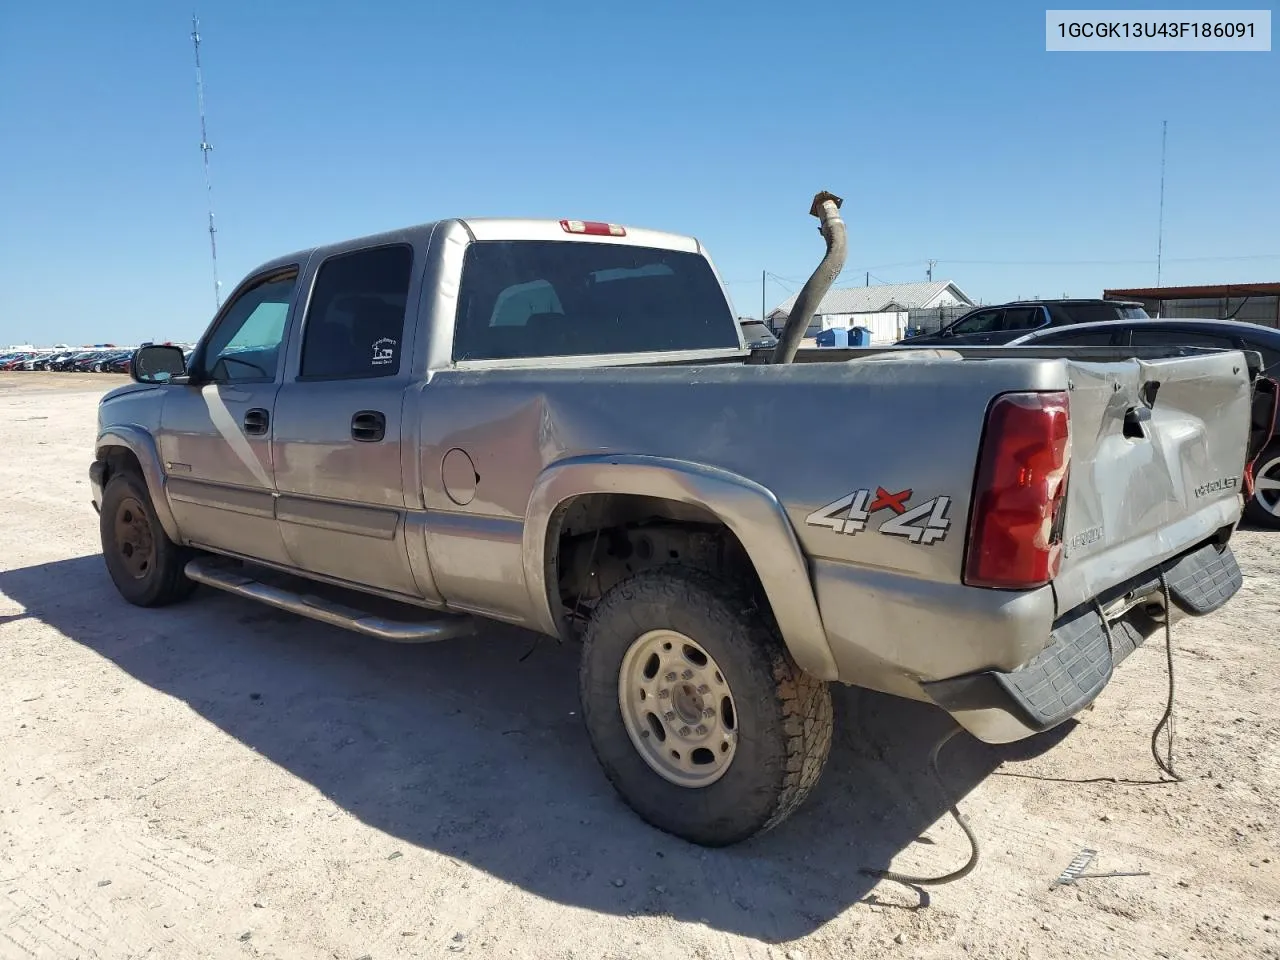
x=593, y=228
x=1014, y=533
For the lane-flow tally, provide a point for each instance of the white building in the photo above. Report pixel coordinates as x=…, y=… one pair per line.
x=882, y=309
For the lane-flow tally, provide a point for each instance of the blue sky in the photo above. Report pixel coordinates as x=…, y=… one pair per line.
x=948, y=129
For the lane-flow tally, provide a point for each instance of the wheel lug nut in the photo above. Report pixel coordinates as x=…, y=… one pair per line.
x=703, y=688
x=664, y=693
x=684, y=731
x=644, y=734
x=708, y=713
x=671, y=677
x=687, y=675
x=669, y=715
x=700, y=729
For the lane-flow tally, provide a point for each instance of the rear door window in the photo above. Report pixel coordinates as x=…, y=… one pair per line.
x=355, y=323
x=984, y=321
x=1088, y=312
x=1022, y=318
x=522, y=299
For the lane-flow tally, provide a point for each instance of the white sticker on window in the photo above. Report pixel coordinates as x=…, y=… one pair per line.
x=384, y=352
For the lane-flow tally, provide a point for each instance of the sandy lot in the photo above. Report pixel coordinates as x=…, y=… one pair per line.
x=221, y=780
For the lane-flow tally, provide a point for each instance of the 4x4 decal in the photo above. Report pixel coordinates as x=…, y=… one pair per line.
x=925, y=523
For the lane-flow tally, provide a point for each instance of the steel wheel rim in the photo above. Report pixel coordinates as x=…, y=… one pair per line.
x=678, y=709
x=1266, y=486
x=135, y=546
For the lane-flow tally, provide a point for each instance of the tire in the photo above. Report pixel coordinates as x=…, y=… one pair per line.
x=775, y=733
x=144, y=564
x=1263, y=507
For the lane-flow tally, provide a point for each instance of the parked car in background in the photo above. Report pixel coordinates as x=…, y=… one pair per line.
x=757, y=335
x=1264, y=507
x=1007, y=321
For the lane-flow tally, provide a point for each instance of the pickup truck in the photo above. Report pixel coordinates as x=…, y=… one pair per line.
x=557, y=424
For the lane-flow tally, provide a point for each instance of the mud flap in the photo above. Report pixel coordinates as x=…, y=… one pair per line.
x=1069, y=673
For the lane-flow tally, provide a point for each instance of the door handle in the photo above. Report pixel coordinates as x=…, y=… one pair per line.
x=368, y=426
x=256, y=422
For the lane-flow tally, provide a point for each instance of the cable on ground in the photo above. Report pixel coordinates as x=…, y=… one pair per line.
x=1165, y=763
x=972, y=862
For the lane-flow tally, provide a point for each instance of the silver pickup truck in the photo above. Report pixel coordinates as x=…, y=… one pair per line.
x=557, y=425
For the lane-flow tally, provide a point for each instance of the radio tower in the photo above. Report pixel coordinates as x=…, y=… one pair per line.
x=205, y=147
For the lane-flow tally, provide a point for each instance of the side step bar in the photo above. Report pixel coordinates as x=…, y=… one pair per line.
x=397, y=631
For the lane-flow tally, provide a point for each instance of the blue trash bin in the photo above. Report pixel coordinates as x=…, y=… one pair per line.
x=859, y=337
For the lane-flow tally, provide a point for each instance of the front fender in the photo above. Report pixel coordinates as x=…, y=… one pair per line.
x=143, y=446
x=748, y=509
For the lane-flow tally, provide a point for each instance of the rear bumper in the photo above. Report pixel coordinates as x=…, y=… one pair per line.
x=1079, y=661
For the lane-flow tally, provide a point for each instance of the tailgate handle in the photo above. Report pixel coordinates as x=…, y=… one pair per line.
x=1135, y=420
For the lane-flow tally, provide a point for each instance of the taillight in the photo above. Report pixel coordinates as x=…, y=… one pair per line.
x=593, y=228
x=1015, y=529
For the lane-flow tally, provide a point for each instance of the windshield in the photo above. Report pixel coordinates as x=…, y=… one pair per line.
x=546, y=298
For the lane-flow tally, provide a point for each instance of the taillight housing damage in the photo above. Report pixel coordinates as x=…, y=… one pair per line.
x=1020, y=493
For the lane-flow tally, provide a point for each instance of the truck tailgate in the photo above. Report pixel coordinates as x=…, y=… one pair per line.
x=1157, y=456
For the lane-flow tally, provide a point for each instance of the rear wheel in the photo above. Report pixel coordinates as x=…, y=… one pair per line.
x=702, y=721
x=1263, y=507
x=144, y=564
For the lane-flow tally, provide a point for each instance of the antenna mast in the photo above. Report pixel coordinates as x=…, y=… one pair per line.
x=205, y=147
x=1164, y=134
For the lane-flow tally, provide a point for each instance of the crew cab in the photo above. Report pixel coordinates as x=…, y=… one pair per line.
x=557, y=424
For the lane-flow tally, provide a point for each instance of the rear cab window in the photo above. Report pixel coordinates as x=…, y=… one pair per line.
x=523, y=299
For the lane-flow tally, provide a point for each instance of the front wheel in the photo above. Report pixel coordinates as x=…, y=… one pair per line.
x=144, y=564
x=700, y=718
x=1263, y=507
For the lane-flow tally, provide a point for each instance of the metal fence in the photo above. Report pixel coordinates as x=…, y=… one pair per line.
x=1264, y=310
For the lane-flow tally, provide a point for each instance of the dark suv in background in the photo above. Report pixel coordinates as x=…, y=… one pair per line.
x=1006, y=321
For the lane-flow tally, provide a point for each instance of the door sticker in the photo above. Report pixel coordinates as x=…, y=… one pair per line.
x=925, y=524
x=384, y=352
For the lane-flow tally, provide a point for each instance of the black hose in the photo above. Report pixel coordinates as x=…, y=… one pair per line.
x=1166, y=720
x=972, y=862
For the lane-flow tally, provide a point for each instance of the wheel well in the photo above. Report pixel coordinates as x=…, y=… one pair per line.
x=119, y=460
x=596, y=540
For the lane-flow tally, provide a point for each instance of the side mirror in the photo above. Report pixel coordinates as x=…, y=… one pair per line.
x=158, y=364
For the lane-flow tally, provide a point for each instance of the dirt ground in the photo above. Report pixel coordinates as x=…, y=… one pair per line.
x=220, y=780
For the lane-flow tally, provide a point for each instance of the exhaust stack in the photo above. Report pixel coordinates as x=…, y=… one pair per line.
x=826, y=207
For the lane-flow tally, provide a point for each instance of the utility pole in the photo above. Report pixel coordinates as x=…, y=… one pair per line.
x=763, y=274
x=205, y=147
x=929, y=270
x=1164, y=134
x=868, y=283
